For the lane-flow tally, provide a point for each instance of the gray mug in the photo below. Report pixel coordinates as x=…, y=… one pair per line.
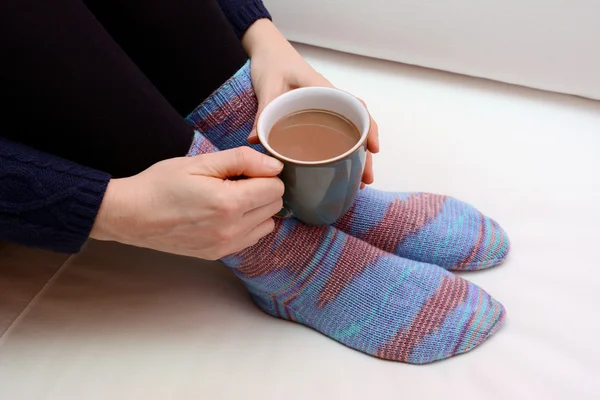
x=318, y=192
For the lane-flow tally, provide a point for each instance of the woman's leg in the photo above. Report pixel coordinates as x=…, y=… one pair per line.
x=187, y=48
x=371, y=301
x=425, y=227
x=74, y=92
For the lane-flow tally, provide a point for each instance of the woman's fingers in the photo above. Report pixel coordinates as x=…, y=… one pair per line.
x=373, y=139
x=368, y=176
x=259, y=231
x=254, y=193
x=254, y=218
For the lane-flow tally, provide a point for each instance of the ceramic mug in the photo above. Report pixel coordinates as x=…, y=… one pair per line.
x=318, y=192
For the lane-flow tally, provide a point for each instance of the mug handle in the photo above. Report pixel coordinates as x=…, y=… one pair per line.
x=284, y=213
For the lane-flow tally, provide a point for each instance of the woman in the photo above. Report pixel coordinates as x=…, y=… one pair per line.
x=107, y=99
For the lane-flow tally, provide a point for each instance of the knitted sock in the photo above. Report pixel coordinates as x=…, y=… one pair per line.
x=367, y=299
x=370, y=300
x=424, y=227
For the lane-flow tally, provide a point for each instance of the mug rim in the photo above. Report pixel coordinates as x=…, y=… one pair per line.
x=342, y=156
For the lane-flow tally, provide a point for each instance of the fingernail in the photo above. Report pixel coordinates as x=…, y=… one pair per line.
x=274, y=163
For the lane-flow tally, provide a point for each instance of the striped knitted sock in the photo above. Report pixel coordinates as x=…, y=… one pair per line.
x=367, y=299
x=370, y=300
x=424, y=227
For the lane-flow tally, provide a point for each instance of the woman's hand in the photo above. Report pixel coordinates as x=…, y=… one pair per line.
x=188, y=206
x=277, y=68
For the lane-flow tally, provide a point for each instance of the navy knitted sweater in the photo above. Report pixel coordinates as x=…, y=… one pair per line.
x=51, y=203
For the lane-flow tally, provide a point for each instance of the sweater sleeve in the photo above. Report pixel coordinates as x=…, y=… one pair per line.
x=243, y=13
x=45, y=201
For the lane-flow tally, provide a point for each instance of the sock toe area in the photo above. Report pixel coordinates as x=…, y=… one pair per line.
x=457, y=319
x=459, y=238
x=485, y=321
x=490, y=248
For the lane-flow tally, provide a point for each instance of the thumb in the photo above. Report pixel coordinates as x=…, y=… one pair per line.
x=238, y=162
x=264, y=99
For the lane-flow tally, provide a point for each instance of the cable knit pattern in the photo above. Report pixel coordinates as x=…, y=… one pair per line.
x=46, y=201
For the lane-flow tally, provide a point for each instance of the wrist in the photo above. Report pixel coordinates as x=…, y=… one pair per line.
x=262, y=33
x=111, y=212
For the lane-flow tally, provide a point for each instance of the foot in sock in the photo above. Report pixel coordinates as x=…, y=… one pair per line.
x=424, y=227
x=367, y=299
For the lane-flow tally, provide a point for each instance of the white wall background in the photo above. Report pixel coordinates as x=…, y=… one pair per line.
x=546, y=44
